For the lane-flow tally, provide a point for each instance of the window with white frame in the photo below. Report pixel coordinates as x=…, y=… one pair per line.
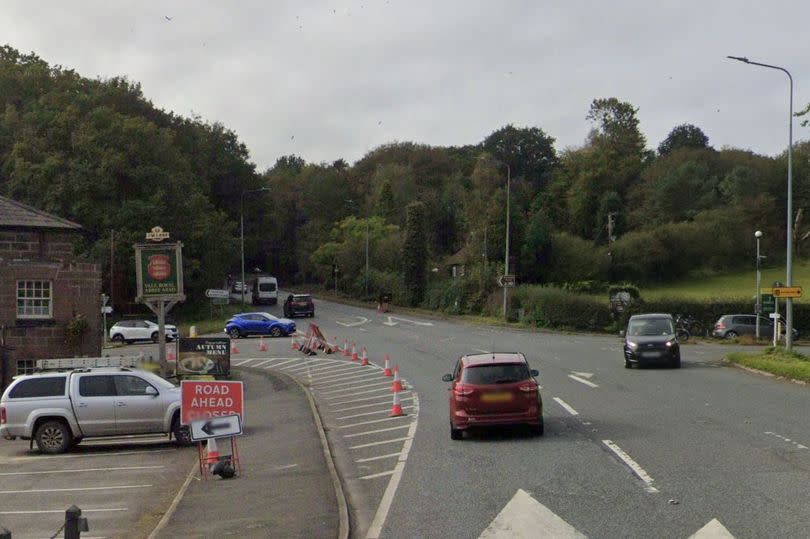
x=34, y=299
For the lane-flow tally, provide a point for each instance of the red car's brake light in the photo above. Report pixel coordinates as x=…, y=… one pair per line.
x=3, y=415
x=463, y=391
x=529, y=387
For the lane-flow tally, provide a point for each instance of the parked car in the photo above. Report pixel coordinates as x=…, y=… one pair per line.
x=650, y=338
x=265, y=290
x=59, y=409
x=299, y=304
x=258, y=323
x=494, y=389
x=139, y=330
x=731, y=326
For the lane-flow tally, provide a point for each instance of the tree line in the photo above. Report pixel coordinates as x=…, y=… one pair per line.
x=100, y=153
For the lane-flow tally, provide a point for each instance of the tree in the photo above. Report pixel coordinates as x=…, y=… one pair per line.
x=414, y=253
x=617, y=126
x=529, y=151
x=536, y=249
x=683, y=136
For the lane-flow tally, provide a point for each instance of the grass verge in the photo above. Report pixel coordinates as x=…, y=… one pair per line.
x=775, y=361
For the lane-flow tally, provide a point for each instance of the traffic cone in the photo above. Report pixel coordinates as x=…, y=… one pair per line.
x=396, y=407
x=346, y=348
x=354, y=352
x=262, y=344
x=234, y=349
x=396, y=385
x=387, y=371
x=364, y=358
x=336, y=346
x=293, y=346
x=212, y=453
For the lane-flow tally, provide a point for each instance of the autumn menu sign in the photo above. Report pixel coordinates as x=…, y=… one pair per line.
x=159, y=269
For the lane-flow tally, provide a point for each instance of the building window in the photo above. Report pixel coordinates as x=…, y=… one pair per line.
x=34, y=299
x=26, y=366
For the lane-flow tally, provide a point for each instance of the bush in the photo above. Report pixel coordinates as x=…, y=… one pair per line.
x=558, y=308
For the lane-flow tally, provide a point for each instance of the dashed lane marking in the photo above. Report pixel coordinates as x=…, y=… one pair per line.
x=565, y=405
x=582, y=380
x=788, y=440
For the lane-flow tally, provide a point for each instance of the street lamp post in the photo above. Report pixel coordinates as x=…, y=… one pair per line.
x=758, y=235
x=242, y=233
x=506, y=254
x=789, y=268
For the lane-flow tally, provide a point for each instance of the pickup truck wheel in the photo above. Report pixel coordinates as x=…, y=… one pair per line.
x=181, y=433
x=53, y=437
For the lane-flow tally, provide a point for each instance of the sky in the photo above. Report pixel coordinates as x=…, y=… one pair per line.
x=335, y=79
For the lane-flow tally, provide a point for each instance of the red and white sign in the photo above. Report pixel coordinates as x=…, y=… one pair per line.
x=201, y=399
x=160, y=267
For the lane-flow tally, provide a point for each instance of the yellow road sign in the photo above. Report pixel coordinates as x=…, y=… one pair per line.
x=787, y=292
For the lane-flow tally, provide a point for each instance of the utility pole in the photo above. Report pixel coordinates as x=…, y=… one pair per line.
x=112, y=267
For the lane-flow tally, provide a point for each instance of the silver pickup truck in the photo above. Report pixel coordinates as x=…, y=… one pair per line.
x=58, y=409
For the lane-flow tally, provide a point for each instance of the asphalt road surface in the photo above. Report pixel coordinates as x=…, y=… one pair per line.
x=707, y=449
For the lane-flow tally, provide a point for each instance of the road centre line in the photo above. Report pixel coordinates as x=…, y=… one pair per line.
x=341, y=377
x=375, y=421
x=565, y=405
x=372, y=444
x=384, y=383
x=381, y=457
x=44, y=511
x=387, y=389
x=633, y=465
x=376, y=412
x=80, y=470
x=368, y=405
x=376, y=475
x=369, y=432
x=365, y=399
x=342, y=383
x=582, y=380
x=76, y=489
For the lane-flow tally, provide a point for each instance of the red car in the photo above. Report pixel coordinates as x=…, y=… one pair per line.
x=494, y=389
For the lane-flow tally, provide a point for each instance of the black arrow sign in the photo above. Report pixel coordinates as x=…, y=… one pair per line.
x=209, y=427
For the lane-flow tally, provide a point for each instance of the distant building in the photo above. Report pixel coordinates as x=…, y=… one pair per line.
x=45, y=289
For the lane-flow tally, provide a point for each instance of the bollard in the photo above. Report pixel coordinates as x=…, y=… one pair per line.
x=5, y=534
x=192, y=331
x=75, y=523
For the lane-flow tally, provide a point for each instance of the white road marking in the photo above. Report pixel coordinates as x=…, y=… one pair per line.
x=85, y=455
x=372, y=444
x=712, y=530
x=366, y=399
x=359, y=406
x=377, y=524
x=277, y=365
x=260, y=364
x=384, y=383
x=43, y=472
x=633, y=465
x=375, y=421
x=525, y=517
x=788, y=440
x=77, y=489
x=448, y=339
x=479, y=350
x=351, y=382
x=587, y=375
x=582, y=380
x=415, y=322
x=381, y=457
x=340, y=377
x=389, y=323
x=376, y=412
x=369, y=432
x=362, y=320
x=84, y=510
x=359, y=393
x=287, y=467
x=565, y=405
x=240, y=362
x=337, y=368
x=376, y=475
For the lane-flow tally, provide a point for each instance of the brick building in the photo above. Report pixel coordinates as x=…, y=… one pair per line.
x=44, y=286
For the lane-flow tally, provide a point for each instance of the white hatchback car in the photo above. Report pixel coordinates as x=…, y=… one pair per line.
x=139, y=330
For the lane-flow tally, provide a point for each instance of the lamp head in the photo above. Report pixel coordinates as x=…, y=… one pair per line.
x=758, y=234
x=738, y=58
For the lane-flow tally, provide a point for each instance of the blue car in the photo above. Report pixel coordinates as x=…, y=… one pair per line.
x=244, y=324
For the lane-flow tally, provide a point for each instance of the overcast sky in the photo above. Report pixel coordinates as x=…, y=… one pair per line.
x=328, y=80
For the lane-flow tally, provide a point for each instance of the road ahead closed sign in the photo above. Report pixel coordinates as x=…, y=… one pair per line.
x=203, y=399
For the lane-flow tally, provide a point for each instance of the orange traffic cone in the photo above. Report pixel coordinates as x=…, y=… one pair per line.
x=234, y=349
x=346, y=348
x=364, y=358
x=387, y=371
x=354, y=352
x=396, y=407
x=293, y=346
x=396, y=385
x=212, y=453
x=262, y=344
x=336, y=346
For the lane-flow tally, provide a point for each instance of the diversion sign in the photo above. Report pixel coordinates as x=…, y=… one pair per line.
x=204, y=355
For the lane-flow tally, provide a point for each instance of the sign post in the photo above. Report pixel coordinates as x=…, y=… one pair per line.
x=159, y=275
x=506, y=281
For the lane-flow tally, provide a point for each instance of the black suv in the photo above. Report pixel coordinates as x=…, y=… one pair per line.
x=731, y=326
x=299, y=304
x=650, y=338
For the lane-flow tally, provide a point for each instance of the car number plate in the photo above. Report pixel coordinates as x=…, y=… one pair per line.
x=496, y=397
x=651, y=354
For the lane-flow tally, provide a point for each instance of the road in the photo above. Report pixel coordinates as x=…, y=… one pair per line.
x=627, y=453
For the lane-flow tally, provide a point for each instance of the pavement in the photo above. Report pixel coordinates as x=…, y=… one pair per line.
x=286, y=488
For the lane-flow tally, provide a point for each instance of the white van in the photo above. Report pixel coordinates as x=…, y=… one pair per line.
x=265, y=290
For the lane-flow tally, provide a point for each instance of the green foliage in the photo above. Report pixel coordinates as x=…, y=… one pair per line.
x=414, y=253
x=75, y=330
x=556, y=308
x=775, y=361
x=537, y=246
x=572, y=256
x=529, y=151
x=683, y=192
x=683, y=136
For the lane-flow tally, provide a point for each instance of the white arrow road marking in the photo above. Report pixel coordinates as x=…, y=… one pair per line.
x=712, y=530
x=525, y=517
x=587, y=375
x=416, y=322
x=582, y=380
x=633, y=465
x=389, y=323
x=360, y=320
